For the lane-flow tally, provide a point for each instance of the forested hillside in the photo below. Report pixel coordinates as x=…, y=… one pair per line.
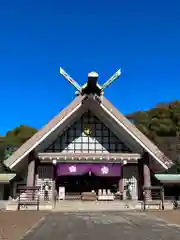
x=14, y=139
x=161, y=124
x=160, y=121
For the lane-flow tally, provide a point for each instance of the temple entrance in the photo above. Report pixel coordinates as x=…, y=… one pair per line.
x=87, y=183
x=77, y=179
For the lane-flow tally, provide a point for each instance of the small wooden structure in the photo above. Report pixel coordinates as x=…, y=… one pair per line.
x=155, y=196
x=29, y=196
x=88, y=196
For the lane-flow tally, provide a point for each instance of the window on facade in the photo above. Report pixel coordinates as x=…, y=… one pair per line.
x=88, y=135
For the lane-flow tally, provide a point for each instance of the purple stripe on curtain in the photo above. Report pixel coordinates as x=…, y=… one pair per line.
x=70, y=169
x=109, y=170
x=99, y=169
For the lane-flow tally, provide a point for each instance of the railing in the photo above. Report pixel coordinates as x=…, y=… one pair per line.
x=29, y=196
x=153, y=195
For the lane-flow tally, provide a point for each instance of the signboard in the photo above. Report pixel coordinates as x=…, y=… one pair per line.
x=61, y=193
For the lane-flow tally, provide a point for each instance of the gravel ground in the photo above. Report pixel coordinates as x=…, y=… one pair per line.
x=14, y=225
x=104, y=225
x=72, y=226
x=172, y=216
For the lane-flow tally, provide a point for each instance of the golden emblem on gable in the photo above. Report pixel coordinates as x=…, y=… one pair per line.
x=87, y=130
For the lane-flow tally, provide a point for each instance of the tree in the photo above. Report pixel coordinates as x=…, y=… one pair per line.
x=162, y=125
x=14, y=139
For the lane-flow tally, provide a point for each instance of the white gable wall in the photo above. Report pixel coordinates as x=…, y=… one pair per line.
x=88, y=135
x=119, y=131
x=97, y=111
x=51, y=138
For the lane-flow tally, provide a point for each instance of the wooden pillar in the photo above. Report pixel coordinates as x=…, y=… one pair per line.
x=31, y=171
x=54, y=181
x=140, y=179
x=2, y=191
x=121, y=184
x=147, y=175
x=37, y=163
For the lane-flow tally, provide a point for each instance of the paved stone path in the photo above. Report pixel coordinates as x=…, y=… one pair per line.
x=104, y=225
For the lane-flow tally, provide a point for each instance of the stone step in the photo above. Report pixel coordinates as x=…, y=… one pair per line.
x=13, y=206
x=74, y=206
x=102, y=206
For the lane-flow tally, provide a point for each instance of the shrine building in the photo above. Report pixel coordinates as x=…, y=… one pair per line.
x=88, y=146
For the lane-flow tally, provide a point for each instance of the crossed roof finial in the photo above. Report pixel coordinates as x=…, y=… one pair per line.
x=91, y=86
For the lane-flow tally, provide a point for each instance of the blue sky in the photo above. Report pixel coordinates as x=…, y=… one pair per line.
x=37, y=37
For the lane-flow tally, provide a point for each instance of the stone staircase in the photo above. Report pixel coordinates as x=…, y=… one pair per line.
x=74, y=206
x=77, y=206
x=89, y=206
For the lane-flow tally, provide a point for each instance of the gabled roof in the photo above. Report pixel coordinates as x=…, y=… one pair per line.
x=121, y=120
